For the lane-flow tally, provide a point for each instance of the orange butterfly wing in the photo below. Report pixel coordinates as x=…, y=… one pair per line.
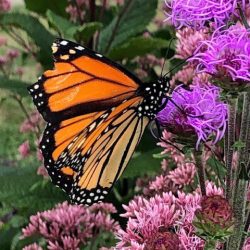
x=88, y=102
x=82, y=82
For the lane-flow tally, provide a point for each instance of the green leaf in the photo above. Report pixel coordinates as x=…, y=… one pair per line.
x=12, y=85
x=61, y=25
x=16, y=183
x=142, y=161
x=86, y=31
x=57, y=6
x=135, y=17
x=35, y=30
x=239, y=144
x=137, y=46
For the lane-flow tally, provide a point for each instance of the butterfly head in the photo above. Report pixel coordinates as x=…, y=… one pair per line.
x=154, y=93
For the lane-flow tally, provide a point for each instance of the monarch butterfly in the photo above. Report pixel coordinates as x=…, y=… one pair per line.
x=96, y=112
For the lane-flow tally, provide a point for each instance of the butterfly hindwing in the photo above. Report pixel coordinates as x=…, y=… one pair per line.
x=91, y=157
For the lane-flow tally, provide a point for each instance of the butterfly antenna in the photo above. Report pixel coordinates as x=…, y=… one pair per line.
x=178, y=65
x=167, y=53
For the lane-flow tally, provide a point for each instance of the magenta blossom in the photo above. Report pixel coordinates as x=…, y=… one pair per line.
x=197, y=13
x=226, y=54
x=197, y=111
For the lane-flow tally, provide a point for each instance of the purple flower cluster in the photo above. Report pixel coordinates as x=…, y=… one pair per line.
x=226, y=55
x=197, y=13
x=196, y=111
x=70, y=226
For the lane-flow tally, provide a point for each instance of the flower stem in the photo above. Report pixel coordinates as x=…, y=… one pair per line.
x=243, y=17
x=241, y=185
x=229, y=141
x=118, y=20
x=200, y=170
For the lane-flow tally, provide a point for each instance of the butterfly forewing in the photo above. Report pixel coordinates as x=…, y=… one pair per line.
x=82, y=82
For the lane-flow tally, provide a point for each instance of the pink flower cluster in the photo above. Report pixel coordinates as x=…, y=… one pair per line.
x=67, y=227
x=5, y=6
x=163, y=220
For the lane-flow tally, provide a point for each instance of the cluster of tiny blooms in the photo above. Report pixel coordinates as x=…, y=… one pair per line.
x=151, y=221
x=198, y=111
x=247, y=244
x=226, y=55
x=197, y=13
x=5, y=6
x=67, y=227
x=184, y=174
x=77, y=10
x=24, y=149
x=30, y=124
x=188, y=40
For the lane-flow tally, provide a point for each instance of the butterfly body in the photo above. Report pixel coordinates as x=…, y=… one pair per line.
x=96, y=113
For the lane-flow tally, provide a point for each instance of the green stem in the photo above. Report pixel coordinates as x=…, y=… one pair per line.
x=210, y=245
x=243, y=17
x=229, y=141
x=239, y=215
x=241, y=185
x=118, y=20
x=200, y=170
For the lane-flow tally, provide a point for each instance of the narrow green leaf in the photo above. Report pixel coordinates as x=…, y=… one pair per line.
x=40, y=7
x=35, y=30
x=135, y=18
x=61, y=25
x=12, y=85
x=86, y=31
x=137, y=47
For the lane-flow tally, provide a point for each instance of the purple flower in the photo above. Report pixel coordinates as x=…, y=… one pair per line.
x=197, y=111
x=197, y=13
x=226, y=55
x=71, y=226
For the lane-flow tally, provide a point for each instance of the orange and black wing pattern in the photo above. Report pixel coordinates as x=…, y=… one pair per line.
x=81, y=82
x=96, y=113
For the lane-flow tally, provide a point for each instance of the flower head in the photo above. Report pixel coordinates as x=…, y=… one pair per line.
x=33, y=246
x=215, y=217
x=226, y=55
x=184, y=174
x=188, y=41
x=151, y=223
x=70, y=226
x=199, y=112
x=5, y=5
x=24, y=149
x=197, y=13
x=216, y=210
